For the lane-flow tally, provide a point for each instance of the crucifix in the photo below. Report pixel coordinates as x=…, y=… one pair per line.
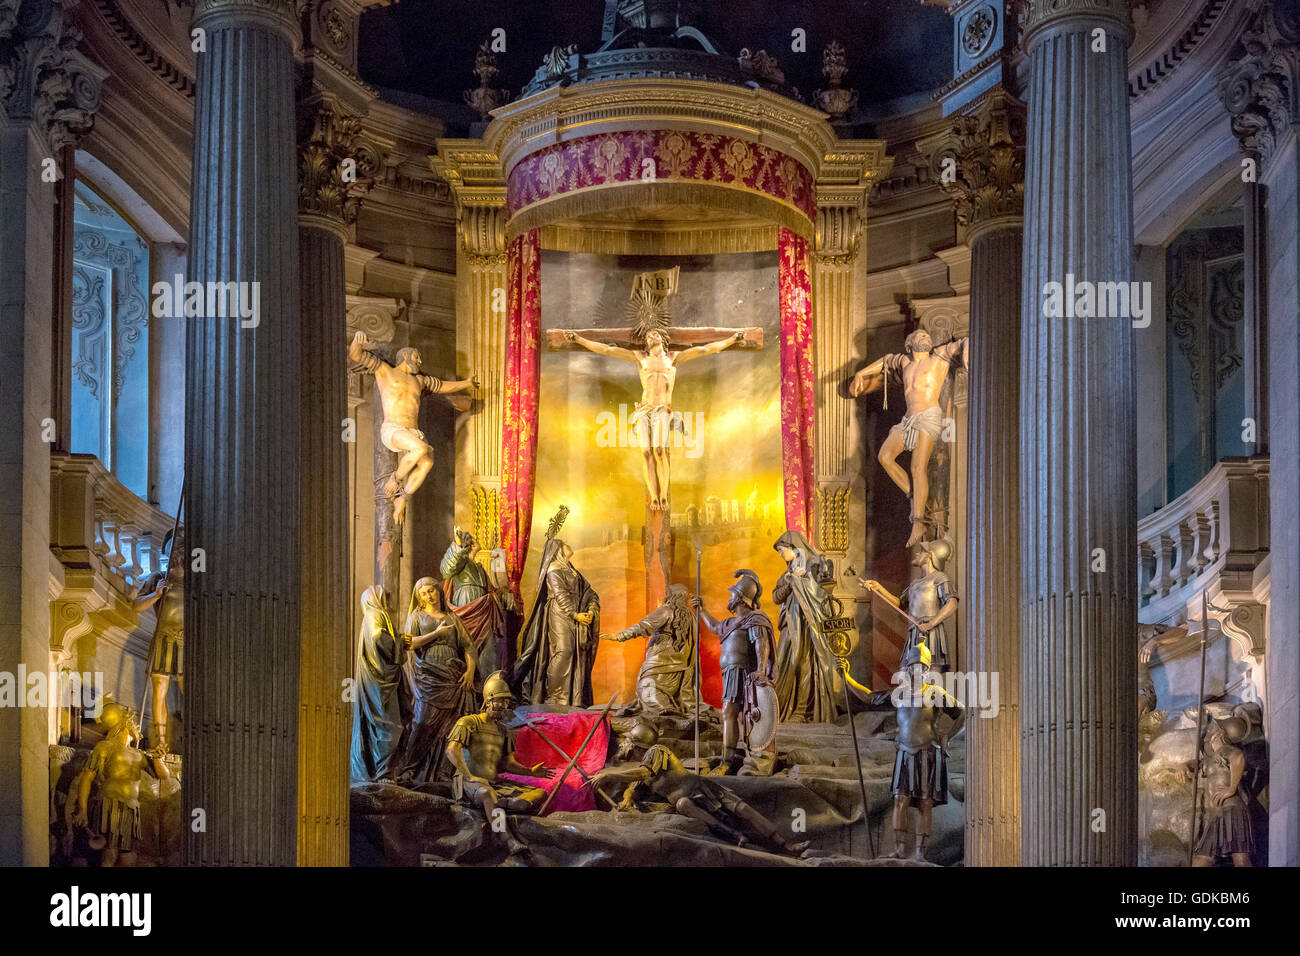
x=646, y=345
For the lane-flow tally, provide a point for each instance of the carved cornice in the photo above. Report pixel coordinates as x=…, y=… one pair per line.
x=1261, y=89
x=1159, y=69
x=43, y=77
x=980, y=160
x=143, y=50
x=328, y=137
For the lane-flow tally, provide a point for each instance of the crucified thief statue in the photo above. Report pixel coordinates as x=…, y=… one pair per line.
x=400, y=387
x=654, y=413
x=924, y=370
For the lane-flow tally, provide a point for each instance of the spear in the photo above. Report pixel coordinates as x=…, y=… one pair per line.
x=1200, y=717
x=698, y=554
x=586, y=777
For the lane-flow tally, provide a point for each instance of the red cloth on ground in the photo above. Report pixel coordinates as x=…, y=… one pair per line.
x=567, y=731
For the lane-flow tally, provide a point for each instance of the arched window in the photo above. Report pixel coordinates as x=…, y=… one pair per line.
x=110, y=340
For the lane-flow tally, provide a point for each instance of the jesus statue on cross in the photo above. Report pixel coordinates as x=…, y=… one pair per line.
x=657, y=366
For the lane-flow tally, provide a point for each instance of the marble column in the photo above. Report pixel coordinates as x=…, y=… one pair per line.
x=1078, y=470
x=1261, y=91
x=984, y=152
x=48, y=97
x=243, y=391
x=328, y=194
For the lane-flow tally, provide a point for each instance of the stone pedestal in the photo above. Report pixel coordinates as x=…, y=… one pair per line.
x=242, y=456
x=1078, y=467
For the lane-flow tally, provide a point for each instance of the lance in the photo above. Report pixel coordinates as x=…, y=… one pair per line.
x=166, y=582
x=1200, y=717
x=574, y=759
x=698, y=555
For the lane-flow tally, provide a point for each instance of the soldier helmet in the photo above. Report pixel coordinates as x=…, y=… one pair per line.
x=643, y=735
x=495, y=687
x=114, y=716
x=1234, y=728
x=918, y=653
x=939, y=550
x=748, y=588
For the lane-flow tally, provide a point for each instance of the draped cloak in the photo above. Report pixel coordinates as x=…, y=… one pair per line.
x=807, y=679
x=556, y=653
x=377, y=713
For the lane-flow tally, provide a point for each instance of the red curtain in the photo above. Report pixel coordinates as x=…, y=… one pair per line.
x=519, y=417
x=797, y=403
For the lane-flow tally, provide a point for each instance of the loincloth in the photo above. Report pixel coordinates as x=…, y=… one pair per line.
x=928, y=422
x=655, y=424
x=388, y=429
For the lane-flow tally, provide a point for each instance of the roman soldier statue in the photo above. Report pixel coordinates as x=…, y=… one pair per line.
x=929, y=602
x=747, y=655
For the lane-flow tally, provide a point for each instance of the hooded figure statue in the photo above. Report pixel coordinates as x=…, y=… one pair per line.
x=558, y=647
x=807, y=680
x=377, y=714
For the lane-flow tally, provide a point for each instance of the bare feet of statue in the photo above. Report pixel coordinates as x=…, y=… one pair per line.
x=918, y=532
x=392, y=487
x=399, y=508
x=797, y=849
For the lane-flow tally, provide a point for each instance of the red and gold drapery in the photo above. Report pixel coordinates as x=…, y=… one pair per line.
x=794, y=280
x=519, y=420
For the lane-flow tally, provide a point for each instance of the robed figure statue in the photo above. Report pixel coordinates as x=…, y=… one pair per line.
x=444, y=664
x=377, y=716
x=558, y=646
x=807, y=680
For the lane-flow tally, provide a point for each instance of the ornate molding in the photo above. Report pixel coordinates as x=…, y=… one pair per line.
x=279, y=15
x=838, y=231
x=1159, y=69
x=1036, y=14
x=43, y=77
x=987, y=153
x=1261, y=88
x=328, y=137
x=143, y=50
x=832, y=511
x=377, y=317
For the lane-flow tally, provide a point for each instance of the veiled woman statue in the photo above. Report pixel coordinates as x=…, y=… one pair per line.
x=444, y=664
x=377, y=715
x=806, y=676
x=559, y=641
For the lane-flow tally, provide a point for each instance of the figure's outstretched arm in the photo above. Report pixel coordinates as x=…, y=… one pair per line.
x=875, y=587
x=957, y=351
x=711, y=348
x=872, y=377
x=360, y=355
x=438, y=386
x=600, y=348
x=860, y=690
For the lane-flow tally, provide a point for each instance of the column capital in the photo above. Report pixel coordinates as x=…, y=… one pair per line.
x=979, y=160
x=838, y=230
x=478, y=185
x=43, y=77
x=337, y=161
x=278, y=15
x=1038, y=14
x=1259, y=88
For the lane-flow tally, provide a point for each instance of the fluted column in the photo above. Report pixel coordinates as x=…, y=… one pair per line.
x=334, y=166
x=1077, y=448
x=1261, y=90
x=478, y=186
x=979, y=160
x=48, y=95
x=243, y=393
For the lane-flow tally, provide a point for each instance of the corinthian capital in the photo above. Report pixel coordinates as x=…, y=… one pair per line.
x=1040, y=13
x=1259, y=88
x=279, y=15
x=337, y=162
x=43, y=77
x=979, y=160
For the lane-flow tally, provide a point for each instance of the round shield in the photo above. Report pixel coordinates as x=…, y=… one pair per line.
x=761, y=718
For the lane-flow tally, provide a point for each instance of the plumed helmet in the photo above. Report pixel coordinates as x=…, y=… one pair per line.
x=939, y=550
x=918, y=653
x=495, y=687
x=747, y=588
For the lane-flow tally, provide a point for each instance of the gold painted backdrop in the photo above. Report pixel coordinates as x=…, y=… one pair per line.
x=726, y=461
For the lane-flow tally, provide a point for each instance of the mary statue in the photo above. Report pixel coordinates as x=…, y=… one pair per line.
x=807, y=680
x=558, y=647
x=377, y=714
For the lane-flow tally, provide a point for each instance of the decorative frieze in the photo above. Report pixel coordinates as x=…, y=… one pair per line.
x=979, y=160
